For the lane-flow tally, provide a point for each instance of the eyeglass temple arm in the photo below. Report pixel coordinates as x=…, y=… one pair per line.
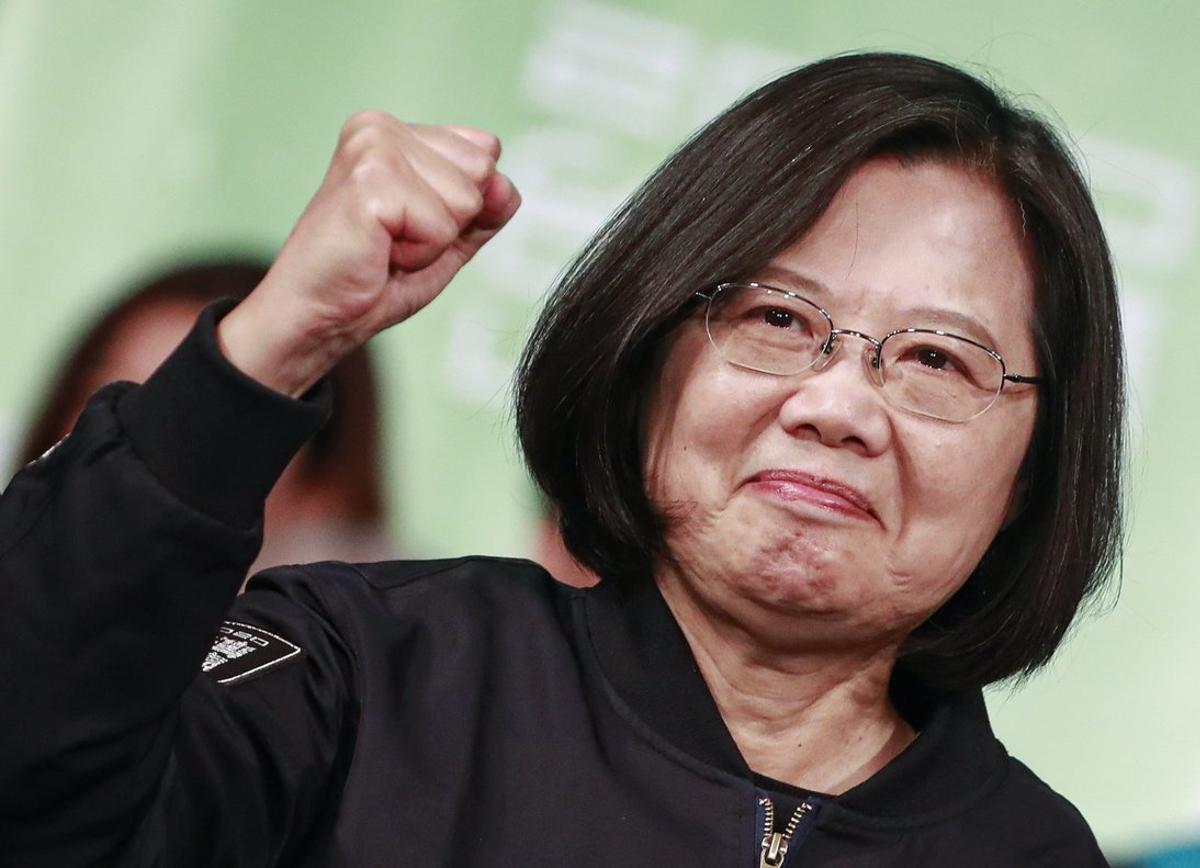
x=1018, y=378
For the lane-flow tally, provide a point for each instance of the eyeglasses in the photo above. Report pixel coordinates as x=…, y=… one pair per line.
x=926, y=371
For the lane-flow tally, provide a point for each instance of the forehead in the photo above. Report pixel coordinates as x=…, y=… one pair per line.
x=925, y=245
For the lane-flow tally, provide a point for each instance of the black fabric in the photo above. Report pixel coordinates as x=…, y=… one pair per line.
x=216, y=438
x=464, y=712
x=644, y=655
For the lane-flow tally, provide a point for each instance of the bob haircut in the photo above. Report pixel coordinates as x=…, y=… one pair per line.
x=345, y=452
x=741, y=190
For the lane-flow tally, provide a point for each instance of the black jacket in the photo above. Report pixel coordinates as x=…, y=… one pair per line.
x=460, y=712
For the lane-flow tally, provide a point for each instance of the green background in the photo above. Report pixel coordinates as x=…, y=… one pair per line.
x=133, y=133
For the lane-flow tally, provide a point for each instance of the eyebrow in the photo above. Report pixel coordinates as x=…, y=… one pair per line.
x=941, y=318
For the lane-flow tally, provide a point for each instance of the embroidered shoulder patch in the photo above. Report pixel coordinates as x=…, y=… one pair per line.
x=242, y=650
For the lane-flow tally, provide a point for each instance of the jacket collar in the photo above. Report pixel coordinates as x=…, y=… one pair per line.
x=645, y=657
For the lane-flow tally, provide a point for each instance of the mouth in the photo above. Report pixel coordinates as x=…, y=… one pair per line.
x=821, y=491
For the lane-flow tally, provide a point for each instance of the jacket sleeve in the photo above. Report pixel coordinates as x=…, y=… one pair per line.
x=121, y=552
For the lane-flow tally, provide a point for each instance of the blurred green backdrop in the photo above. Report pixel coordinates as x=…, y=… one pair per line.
x=133, y=133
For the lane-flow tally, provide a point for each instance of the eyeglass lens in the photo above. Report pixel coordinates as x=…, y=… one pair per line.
x=777, y=332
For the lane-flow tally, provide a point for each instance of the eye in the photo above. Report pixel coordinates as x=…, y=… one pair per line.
x=757, y=317
x=931, y=357
x=934, y=361
x=779, y=318
x=942, y=362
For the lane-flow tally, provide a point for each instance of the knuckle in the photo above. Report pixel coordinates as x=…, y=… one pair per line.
x=376, y=189
x=489, y=145
x=364, y=140
x=442, y=229
x=474, y=154
x=480, y=166
x=375, y=166
x=366, y=129
x=465, y=204
x=376, y=173
x=368, y=118
x=485, y=140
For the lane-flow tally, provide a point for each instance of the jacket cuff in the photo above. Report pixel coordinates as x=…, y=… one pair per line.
x=213, y=436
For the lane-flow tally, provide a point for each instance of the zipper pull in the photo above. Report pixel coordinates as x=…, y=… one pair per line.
x=774, y=849
x=775, y=844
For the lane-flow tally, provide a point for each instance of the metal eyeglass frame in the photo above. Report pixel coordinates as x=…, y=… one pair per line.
x=829, y=346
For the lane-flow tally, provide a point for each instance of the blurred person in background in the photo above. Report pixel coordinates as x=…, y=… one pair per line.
x=328, y=504
x=833, y=406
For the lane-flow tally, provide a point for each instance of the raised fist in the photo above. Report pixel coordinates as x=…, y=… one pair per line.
x=401, y=209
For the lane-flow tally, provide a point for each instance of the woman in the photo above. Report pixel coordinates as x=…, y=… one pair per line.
x=833, y=408
x=329, y=502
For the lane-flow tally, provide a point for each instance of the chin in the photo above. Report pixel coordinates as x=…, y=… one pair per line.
x=768, y=556
x=795, y=588
x=798, y=572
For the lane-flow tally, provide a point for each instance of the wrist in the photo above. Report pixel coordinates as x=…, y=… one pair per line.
x=278, y=348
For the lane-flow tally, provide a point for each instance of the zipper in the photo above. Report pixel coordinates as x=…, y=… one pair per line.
x=775, y=844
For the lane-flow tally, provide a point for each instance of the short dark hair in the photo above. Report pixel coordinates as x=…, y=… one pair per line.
x=741, y=190
x=346, y=451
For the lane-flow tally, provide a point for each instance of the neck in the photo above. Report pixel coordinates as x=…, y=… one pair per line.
x=815, y=717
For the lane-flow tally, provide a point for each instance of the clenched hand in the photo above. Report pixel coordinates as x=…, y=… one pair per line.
x=401, y=209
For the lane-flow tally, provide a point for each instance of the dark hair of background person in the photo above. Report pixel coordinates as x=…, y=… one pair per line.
x=740, y=191
x=346, y=451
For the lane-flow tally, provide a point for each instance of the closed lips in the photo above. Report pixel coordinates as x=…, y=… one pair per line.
x=808, y=486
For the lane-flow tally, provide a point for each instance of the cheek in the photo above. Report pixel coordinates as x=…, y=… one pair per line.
x=962, y=474
x=664, y=431
x=697, y=434
x=956, y=494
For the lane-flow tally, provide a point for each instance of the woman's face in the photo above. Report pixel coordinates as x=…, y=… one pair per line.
x=810, y=495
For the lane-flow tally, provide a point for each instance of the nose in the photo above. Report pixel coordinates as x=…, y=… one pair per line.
x=837, y=402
